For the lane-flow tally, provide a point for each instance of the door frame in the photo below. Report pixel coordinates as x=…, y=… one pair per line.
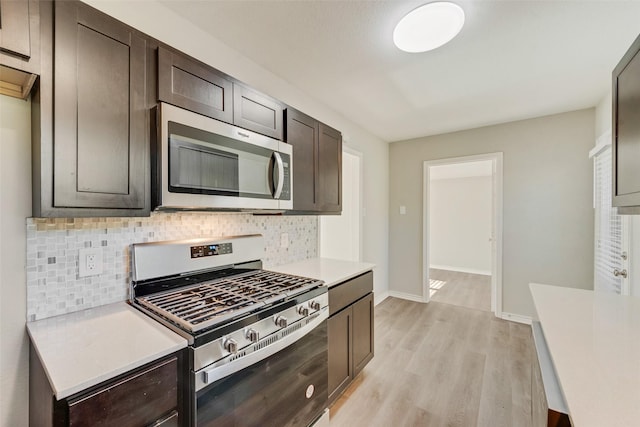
x=496, y=223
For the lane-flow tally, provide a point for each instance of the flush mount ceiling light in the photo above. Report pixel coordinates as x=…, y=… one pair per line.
x=428, y=27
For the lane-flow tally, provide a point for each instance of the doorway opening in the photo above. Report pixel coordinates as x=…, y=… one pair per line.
x=340, y=235
x=462, y=237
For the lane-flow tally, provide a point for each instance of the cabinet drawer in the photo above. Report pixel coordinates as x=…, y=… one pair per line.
x=350, y=291
x=137, y=400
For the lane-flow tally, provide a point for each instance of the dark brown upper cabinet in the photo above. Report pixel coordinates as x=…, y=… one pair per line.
x=257, y=112
x=194, y=86
x=302, y=133
x=91, y=158
x=317, y=164
x=626, y=132
x=19, y=46
x=329, y=169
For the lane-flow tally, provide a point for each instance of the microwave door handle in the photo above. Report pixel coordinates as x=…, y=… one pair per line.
x=279, y=166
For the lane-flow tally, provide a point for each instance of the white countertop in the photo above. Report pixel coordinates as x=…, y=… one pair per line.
x=81, y=349
x=331, y=271
x=594, y=341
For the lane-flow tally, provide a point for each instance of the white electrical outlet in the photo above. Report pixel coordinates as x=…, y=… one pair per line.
x=89, y=262
x=284, y=240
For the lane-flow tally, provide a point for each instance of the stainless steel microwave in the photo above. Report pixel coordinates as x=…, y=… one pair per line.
x=204, y=164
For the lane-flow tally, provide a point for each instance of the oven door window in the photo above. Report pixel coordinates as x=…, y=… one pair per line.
x=202, y=162
x=288, y=388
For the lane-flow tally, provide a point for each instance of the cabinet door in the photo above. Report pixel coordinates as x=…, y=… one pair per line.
x=189, y=84
x=257, y=112
x=362, y=337
x=101, y=130
x=329, y=169
x=626, y=130
x=340, y=362
x=145, y=398
x=14, y=27
x=19, y=37
x=302, y=134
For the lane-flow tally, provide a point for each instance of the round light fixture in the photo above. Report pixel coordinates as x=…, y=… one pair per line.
x=428, y=27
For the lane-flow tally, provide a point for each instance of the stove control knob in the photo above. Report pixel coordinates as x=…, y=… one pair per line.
x=231, y=345
x=303, y=311
x=314, y=305
x=281, y=321
x=253, y=335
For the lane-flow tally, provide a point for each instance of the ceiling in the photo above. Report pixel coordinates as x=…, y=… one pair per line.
x=513, y=60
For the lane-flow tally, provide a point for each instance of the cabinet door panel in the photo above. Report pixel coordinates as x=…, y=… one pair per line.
x=100, y=125
x=257, y=112
x=340, y=362
x=103, y=122
x=362, y=333
x=186, y=83
x=133, y=401
x=14, y=27
x=302, y=134
x=19, y=46
x=329, y=169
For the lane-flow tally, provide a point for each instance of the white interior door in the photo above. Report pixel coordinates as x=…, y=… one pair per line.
x=611, y=252
x=340, y=234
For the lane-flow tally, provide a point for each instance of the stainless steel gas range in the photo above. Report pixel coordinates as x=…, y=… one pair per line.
x=257, y=339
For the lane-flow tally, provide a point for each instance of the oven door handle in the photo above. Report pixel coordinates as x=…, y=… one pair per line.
x=214, y=374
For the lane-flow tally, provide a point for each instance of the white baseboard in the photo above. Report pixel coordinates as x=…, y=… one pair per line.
x=462, y=269
x=402, y=295
x=379, y=297
x=516, y=318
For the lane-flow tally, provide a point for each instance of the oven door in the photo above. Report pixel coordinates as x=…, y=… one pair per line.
x=206, y=163
x=287, y=386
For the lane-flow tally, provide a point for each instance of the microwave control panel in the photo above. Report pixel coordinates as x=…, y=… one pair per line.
x=211, y=250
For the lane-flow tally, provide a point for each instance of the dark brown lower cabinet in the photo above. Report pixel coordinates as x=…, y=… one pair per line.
x=339, y=328
x=350, y=331
x=147, y=396
x=362, y=328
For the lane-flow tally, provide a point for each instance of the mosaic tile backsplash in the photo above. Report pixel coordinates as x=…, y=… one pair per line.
x=53, y=285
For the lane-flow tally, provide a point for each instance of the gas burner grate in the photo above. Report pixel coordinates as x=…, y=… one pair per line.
x=203, y=305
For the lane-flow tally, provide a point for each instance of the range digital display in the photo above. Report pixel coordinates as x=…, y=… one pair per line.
x=211, y=250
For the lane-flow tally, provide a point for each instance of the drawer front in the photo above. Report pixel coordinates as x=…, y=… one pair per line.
x=349, y=292
x=140, y=399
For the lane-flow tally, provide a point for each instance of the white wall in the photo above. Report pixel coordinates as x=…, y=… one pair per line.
x=15, y=206
x=547, y=213
x=176, y=31
x=340, y=235
x=603, y=115
x=460, y=224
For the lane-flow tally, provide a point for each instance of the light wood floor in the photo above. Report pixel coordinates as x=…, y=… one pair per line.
x=462, y=289
x=441, y=365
